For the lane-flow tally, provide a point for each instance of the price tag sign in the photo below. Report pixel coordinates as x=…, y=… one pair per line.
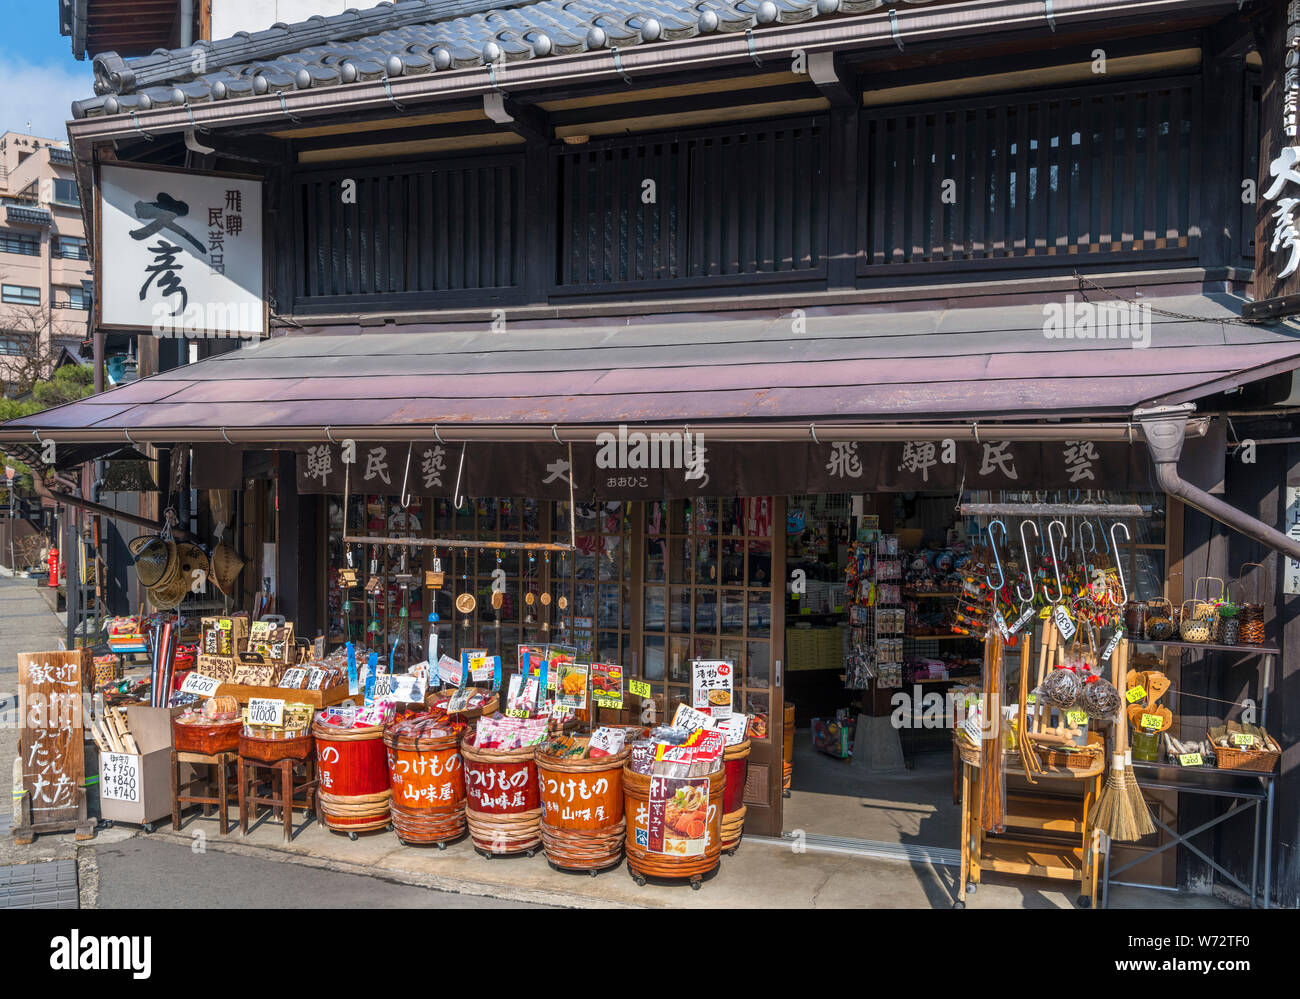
x=119, y=776
x=638, y=687
x=265, y=711
x=1190, y=760
x=690, y=719
x=1112, y=645
x=203, y=686
x=516, y=712
x=383, y=685
x=1063, y=623
x=1152, y=721
x=1136, y=694
x=1243, y=739
x=408, y=687
x=1001, y=622
x=1025, y=617
x=1079, y=718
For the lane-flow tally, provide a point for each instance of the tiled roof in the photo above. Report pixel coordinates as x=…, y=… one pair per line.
x=421, y=36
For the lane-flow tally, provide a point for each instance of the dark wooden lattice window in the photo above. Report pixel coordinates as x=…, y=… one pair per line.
x=441, y=227
x=1036, y=178
x=745, y=200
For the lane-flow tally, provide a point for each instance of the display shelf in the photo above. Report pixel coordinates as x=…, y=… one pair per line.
x=943, y=638
x=1044, y=814
x=1259, y=650
x=1012, y=855
x=1231, y=783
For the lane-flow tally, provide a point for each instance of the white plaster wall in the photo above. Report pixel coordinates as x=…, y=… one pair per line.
x=229, y=16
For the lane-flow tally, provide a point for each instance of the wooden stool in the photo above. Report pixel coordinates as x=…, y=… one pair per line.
x=286, y=801
x=222, y=762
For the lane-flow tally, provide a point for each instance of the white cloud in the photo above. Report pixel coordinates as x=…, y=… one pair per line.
x=43, y=95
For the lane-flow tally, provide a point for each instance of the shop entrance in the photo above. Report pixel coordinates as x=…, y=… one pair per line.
x=879, y=648
x=872, y=655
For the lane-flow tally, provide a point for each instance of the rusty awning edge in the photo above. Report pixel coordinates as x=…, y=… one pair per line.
x=739, y=433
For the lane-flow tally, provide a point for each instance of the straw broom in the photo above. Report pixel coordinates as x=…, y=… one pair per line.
x=1121, y=811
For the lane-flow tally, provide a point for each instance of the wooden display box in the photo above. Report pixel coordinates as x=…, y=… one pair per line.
x=316, y=698
x=238, y=634
x=151, y=798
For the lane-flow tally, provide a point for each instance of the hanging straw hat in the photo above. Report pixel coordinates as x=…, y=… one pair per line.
x=192, y=559
x=169, y=595
x=226, y=567
x=156, y=560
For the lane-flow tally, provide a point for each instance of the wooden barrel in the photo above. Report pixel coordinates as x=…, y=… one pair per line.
x=645, y=862
x=254, y=747
x=352, y=768
x=428, y=779
x=736, y=760
x=582, y=810
x=503, y=803
x=788, y=754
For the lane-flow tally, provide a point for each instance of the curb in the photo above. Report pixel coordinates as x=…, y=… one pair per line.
x=457, y=886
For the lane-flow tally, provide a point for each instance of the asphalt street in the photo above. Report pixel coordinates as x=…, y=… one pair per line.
x=146, y=873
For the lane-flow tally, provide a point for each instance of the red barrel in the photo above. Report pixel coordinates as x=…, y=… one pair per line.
x=504, y=807
x=354, y=790
x=428, y=781
x=736, y=760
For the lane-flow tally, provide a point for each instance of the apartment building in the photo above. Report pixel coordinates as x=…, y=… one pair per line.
x=44, y=263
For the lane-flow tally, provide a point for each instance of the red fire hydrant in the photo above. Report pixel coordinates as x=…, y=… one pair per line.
x=54, y=566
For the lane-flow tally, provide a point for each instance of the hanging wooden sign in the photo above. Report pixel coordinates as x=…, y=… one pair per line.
x=51, y=745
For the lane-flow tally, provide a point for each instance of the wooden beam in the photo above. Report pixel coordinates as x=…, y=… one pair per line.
x=529, y=122
x=837, y=86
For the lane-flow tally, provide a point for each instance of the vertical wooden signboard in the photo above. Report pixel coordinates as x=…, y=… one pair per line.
x=51, y=744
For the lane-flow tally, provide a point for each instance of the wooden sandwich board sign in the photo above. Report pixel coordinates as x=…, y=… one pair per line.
x=51, y=745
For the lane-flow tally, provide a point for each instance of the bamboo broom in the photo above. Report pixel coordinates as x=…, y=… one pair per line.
x=1140, y=811
x=1105, y=812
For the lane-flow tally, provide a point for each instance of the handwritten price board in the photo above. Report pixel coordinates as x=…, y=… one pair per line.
x=266, y=711
x=1190, y=760
x=203, y=686
x=638, y=687
x=119, y=776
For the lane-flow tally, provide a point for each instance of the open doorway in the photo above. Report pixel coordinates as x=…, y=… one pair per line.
x=874, y=646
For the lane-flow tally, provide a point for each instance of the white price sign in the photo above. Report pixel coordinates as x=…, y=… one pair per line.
x=408, y=687
x=1063, y=622
x=204, y=686
x=689, y=719
x=119, y=776
x=265, y=711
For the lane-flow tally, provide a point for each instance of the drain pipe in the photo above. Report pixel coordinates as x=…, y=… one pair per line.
x=1163, y=428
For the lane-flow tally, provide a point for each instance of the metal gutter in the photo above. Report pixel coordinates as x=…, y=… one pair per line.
x=884, y=31
x=1164, y=428
x=588, y=433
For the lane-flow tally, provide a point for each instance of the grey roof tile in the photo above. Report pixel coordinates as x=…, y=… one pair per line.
x=420, y=36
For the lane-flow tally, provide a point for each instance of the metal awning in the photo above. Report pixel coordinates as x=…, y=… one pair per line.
x=861, y=373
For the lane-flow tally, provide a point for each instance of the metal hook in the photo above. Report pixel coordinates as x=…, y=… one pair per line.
x=404, y=496
x=1084, y=549
x=226, y=436
x=127, y=434
x=812, y=429
x=753, y=53
x=329, y=436
x=285, y=108
x=1092, y=536
x=458, y=499
x=618, y=65
x=136, y=122
x=1029, y=566
x=391, y=99
x=893, y=29
x=997, y=558
x=1119, y=563
x=438, y=435
x=197, y=127
x=1056, y=562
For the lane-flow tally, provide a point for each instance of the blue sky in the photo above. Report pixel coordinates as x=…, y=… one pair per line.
x=43, y=77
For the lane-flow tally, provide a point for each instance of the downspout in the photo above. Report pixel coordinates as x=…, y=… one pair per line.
x=187, y=23
x=1163, y=428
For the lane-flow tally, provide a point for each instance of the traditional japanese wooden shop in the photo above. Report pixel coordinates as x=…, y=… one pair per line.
x=700, y=293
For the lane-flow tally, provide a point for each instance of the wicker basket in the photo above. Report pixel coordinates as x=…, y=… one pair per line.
x=1160, y=624
x=1074, y=758
x=1192, y=628
x=1252, y=612
x=1260, y=761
